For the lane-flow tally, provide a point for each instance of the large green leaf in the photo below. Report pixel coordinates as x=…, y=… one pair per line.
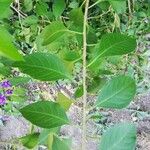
x=45, y=114
x=30, y=141
x=117, y=93
x=7, y=48
x=61, y=144
x=119, y=137
x=58, y=7
x=113, y=44
x=43, y=66
x=5, y=10
x=53, y=32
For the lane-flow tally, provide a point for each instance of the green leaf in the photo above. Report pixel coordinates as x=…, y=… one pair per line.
x=30, y=20
x=5, y=10
x=76, y=17
x=41, y=8
x=121, y=136
x=96, y=84
x=30, y=141
x=64, y=101
x=4, y=70
x=113, y=44
x=53, y=32
x=43, y=66
x=44, y=135
x=19, y=95
x=7, y=48
x=28, y=5
x=119, y=5
x=45, y=114
x=19, y=80
x=58, y=7
x=117, y=93
x=79, y=92
x=61, y=144
x=71, y=55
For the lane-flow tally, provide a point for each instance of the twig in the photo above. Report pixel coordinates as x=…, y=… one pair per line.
x=23, y=15
x=19, y=15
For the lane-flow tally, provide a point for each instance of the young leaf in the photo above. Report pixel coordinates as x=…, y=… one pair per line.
x=64, y=101
x=50, y=141
x=43, y=66
x=53, y=32
x=45, y=114
x=117, y=93
x=121, y=136
x=59, y=144
x=79, y=92
x=58, y=7
x=30, y=141
x=95, y=85
x=7, y=49
x=113, y=44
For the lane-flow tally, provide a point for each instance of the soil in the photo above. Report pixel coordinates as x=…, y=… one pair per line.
x=137, y=112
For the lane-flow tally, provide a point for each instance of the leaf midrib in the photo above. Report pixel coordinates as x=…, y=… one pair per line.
x=45, y=41
x=105, y=51
x=49, y=69
x=49, y=115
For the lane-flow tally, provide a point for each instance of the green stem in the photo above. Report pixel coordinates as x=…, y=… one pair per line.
x=75, y=32
x=95, y=3
x=84, y=74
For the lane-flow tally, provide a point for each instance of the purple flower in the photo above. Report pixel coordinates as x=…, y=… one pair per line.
x=6, y=84
x=2, y=99
x=9, y=92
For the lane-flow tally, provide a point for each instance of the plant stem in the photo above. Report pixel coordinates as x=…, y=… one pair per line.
x=19, y=15
x=95, y=3
x=84, y=74
x=130, y=11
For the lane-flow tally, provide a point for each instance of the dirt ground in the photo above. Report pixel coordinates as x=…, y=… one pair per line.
x=138, y=112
